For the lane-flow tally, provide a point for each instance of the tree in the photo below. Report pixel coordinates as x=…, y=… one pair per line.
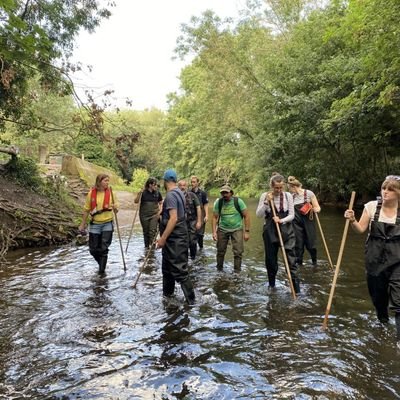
x=36, y=39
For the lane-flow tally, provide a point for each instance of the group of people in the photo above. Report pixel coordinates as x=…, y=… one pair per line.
x=288, y=222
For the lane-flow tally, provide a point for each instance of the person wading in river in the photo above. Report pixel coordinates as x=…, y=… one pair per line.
x=150, y=208
x=174, y=240
x=227, y=224
x=193, y=217
x=283, y=203
x=382, y=249
x=99, y=205
x=305, y=204
x=203, y=198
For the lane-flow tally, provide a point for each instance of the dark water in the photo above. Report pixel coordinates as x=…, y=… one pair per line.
x=68, y=334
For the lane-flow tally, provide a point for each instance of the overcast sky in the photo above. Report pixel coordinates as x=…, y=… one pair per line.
x=131, y=53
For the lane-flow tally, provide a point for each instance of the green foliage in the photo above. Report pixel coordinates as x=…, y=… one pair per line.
x=33, y=36
x=139, y=178
x=317, y=97
x=134, y=138
x=93, y=150
x=25, y=172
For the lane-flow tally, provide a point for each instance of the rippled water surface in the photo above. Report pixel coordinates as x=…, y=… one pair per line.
x=68, y=334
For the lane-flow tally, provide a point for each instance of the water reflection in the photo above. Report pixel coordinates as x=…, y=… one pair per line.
x=67, y=333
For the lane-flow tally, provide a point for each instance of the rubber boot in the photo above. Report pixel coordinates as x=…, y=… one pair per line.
x=168, y=285
x=271, y=281
x=383, y=317
x=296, y=285
x=313, y=253
x=220, y=263
x=398, y=326
x=237, y=264
x=187, y=288
x=200, y=241
x=102, y=264
x=193, y=251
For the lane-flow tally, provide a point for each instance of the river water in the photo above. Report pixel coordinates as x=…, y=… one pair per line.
x=68, y=334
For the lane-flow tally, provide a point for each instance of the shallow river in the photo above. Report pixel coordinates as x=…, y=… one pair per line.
x=66, y=333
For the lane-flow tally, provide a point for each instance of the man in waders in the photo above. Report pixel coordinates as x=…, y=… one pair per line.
x=203, y=198
x=193, y=217
x=174, y=240
x=227, y=223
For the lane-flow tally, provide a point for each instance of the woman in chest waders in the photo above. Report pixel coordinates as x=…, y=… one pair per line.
x=99, y=205
x=150, y=207
x=283, y=203
x=382, y=249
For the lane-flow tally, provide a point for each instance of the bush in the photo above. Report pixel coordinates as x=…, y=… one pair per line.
x=24, y=171
x=139, y=178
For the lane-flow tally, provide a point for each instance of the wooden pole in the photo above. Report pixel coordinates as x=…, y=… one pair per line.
x=141, y=269
x=133, y=223
x=324, y=241
x=339, y=260
x=283, y=251
x=119, y=234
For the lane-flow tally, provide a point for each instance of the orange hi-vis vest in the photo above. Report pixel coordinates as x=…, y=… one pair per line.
x=93, y=201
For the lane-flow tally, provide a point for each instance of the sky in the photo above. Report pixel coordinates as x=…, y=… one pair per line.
x=131, y=53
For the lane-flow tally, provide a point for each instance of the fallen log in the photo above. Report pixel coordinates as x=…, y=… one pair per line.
x=12, y=150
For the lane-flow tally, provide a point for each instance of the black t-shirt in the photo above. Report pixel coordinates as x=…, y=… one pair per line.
x=202, y=195
x=148, y=196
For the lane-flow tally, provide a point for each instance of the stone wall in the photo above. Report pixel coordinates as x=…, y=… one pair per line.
x=77, y=168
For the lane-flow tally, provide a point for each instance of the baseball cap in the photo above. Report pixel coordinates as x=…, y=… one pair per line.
x=170, y=175
x=226, y=188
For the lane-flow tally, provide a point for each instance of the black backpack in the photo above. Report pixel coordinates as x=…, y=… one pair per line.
x=235, y=202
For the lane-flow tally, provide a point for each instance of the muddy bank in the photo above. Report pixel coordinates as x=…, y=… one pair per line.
x=28, y=219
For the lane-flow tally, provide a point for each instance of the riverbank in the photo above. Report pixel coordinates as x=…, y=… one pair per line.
x=30, y=219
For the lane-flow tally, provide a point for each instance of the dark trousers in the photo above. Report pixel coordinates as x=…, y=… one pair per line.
x=384, y=290
x=174, y=265
x=149, y=221
x=200, y=232
x=192, y=232
x=306, y=236
x=271, y=247
x=98, y=247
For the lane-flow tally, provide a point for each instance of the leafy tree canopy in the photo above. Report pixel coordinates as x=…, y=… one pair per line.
x=34, y=37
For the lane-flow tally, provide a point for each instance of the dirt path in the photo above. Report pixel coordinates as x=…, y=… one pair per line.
x=127, y=208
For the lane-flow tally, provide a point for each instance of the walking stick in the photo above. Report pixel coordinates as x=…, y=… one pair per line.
x=323, y=240
x=133, y=223
x=119, y=234
x=339, y=260
x=145, y=260
x=283, y=251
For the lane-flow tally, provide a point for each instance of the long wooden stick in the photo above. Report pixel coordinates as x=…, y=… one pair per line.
x=133, y=223
x=119, y=234
x=339, y=260
x=324, y=241
x=145, y=259
x=283, y=251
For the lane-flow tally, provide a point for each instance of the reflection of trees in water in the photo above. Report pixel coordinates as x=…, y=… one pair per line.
x=100, y=302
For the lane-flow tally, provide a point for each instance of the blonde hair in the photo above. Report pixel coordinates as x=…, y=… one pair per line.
x=392, y=182
x=292, y=180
